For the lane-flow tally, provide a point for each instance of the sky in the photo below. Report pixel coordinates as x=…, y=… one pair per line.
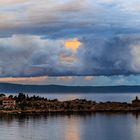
x=70, y=42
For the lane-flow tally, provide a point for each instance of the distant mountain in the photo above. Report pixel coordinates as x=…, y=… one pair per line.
x=16, y=88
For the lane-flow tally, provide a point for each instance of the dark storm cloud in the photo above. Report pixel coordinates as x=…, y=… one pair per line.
x=33, y=35
x=32, y=56
x=23, y=55
x=109, y=56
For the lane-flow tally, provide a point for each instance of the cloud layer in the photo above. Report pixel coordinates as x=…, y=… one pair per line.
x=22, y=55
x=34, y=34
x=28, y=55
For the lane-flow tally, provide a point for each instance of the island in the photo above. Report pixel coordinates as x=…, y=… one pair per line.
x=22, y=103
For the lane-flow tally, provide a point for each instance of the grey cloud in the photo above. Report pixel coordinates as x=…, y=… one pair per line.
x=25, y=56
x=111, y=55
x=108, y=30
x=70, y=18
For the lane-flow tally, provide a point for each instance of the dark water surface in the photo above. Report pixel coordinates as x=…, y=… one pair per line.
x=98, y=126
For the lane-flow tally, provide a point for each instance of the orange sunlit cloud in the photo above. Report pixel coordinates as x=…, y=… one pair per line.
x=88, y=78
x=67, y=59
x=72, y=44
x=65, y=78
x=22, y=80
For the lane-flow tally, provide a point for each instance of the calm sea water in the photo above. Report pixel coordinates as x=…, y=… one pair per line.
x=99, y=126
x=99, y=97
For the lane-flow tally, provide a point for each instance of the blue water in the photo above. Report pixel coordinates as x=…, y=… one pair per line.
x=99, y=97
x=99, y=126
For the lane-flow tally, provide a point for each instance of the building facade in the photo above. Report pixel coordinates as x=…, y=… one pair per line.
x=8, y=103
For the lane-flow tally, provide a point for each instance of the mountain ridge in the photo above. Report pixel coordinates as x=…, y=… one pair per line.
x=14, y=88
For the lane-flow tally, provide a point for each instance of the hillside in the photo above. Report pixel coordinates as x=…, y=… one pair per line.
x=15, y=88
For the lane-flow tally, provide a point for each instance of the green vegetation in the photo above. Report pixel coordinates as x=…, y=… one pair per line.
x=36, y=104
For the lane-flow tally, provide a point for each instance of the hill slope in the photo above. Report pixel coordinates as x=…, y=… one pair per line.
x=14, y=88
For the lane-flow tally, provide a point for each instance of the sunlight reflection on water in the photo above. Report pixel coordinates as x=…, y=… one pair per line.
x=99, y=126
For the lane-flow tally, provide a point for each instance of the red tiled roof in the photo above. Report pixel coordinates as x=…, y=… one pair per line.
x=8, y=99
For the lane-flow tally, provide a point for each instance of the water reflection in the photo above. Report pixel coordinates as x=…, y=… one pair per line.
x=72, y=130
x=85, y=126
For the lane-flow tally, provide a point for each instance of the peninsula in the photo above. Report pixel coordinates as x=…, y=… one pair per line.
x=34, y=104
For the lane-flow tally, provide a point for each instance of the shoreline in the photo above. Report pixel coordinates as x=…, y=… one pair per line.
x=79, y=107
x=3, y=112
x=23, y=104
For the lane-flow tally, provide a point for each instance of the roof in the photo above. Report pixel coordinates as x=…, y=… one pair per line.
x=8, y=99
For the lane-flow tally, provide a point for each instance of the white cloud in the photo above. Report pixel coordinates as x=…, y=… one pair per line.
x=39, y=13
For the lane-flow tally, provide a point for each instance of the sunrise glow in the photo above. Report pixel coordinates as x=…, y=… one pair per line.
x=73, y=44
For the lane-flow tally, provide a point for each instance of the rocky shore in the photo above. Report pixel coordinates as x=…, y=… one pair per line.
x=35, y=104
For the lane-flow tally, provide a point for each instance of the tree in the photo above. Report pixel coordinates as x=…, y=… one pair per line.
x=2, y=95
x=21, y=97
x=10, y=96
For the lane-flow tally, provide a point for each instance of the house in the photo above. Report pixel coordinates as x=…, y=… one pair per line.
x=136, y=101
x=8, y=103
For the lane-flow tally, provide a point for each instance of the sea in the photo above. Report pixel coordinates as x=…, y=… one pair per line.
x=74, y=126
x=98, y=97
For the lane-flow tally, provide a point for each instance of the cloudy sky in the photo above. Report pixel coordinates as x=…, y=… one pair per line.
x=72, y=42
